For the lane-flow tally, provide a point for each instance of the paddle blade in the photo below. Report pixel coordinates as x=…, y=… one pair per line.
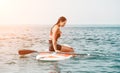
x=24, y=52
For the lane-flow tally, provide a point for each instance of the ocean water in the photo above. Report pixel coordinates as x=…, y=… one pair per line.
x=102, y=43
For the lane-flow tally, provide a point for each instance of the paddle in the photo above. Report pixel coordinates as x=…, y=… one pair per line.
x=25, y=51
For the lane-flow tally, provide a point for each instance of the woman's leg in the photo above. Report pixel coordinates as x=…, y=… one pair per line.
x=62, y=48
x=66, y=49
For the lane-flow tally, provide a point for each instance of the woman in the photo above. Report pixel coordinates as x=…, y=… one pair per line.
x=55, y=34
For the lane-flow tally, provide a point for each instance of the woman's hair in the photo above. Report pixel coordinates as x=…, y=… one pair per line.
x=62, y=18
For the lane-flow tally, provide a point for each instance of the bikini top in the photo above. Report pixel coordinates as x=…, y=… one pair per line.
x=58, y=34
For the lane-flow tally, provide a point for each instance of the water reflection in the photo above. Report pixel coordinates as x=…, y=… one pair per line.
x=31, y=65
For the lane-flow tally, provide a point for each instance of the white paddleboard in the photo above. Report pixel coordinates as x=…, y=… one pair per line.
x=52, y=56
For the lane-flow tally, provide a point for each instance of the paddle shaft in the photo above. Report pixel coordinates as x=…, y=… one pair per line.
x=24, y=52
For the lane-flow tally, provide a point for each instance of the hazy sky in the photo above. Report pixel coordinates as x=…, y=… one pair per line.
x=48, y=11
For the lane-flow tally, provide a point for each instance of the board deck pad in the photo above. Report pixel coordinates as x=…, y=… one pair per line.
x=52, y=56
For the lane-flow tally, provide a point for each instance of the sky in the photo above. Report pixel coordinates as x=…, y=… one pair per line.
x=41, y=12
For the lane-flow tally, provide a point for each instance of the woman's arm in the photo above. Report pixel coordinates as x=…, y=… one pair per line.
x=54, y=36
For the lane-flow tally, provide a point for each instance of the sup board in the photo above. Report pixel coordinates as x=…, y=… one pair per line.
x=53, y=56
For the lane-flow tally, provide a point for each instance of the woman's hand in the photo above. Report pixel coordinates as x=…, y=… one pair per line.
x=57, y=51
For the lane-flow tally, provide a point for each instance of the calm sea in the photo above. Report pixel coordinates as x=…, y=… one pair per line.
x=102, y=43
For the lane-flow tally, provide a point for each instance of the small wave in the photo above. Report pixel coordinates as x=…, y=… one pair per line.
x=116, y=60
x=115, y=67
x=11, y=63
